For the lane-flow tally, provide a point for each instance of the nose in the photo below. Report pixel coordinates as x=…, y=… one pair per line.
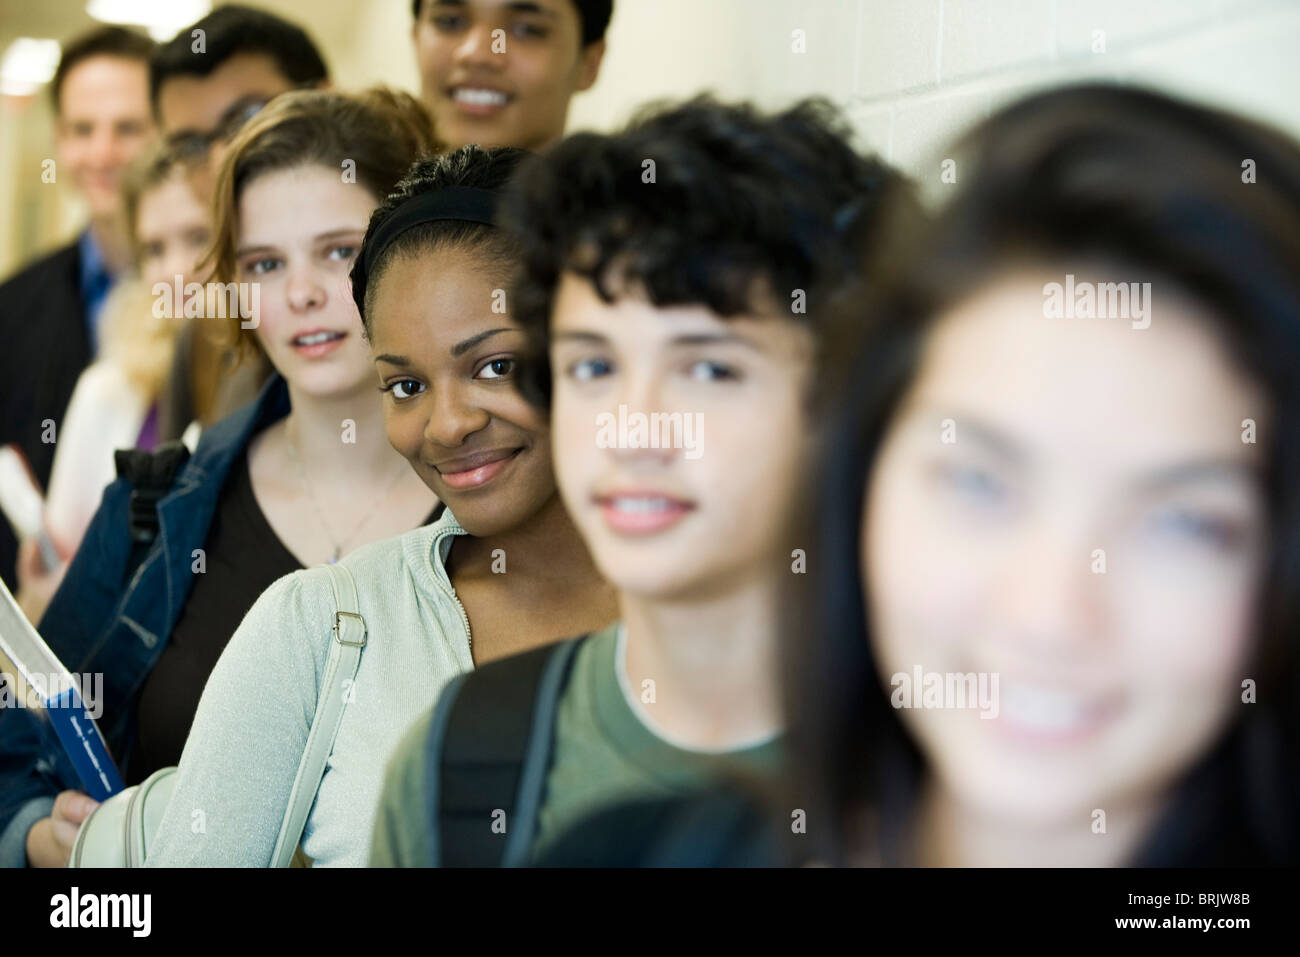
x=1051, y=594
x=645, y=434
x=176, y=262
x=476, y=48
x=303, y=290
x=454, y=416
x=103, y=147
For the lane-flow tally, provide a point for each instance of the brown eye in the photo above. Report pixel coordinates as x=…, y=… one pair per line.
x=496, y=369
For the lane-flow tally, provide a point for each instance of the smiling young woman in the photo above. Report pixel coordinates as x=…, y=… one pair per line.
x=501, y=569
x=303, y=475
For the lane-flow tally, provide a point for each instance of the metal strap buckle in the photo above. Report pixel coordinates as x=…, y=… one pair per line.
x=338, y=630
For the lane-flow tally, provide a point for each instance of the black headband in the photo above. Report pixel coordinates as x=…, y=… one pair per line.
x=466, y=203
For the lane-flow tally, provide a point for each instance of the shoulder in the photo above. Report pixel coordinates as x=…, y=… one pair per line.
x=413, y=553
x=222, y=443
x=104, y=387
x=60, y=264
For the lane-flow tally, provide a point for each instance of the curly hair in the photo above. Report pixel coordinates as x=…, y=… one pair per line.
x=699, y=203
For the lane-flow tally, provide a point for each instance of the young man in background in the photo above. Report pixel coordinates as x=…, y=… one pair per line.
x=507, y=88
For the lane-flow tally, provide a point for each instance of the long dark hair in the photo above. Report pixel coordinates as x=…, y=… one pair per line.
x=1109, y=173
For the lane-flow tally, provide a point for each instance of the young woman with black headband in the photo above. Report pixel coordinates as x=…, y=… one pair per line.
x=501, y=570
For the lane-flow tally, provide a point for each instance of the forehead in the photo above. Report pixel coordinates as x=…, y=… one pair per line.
x=100, y=79
x=197, y=103
x=170, y=199
x=506, y=7
x=1088, y=386
x=300, y=201
x=577, y=304
x=633, y=319
x=436, y=294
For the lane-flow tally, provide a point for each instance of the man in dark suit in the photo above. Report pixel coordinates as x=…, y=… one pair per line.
x=49, y=311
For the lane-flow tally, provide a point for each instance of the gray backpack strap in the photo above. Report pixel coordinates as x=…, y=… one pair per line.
x=345, y=654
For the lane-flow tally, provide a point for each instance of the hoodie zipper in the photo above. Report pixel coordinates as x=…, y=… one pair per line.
x=451, y=592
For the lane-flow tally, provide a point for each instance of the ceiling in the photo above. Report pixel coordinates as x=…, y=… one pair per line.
x=327, y=20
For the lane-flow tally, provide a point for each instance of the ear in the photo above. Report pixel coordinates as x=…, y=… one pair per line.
x=589, y=65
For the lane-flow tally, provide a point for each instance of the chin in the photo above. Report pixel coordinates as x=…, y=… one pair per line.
x=327, y=383
x=1035, y=800
x=652, y=578
x=481, y=516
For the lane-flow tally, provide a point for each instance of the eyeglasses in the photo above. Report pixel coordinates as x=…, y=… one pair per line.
x=192, y=147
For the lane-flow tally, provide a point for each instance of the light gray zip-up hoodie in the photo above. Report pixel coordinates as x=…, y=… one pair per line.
x=248, y=736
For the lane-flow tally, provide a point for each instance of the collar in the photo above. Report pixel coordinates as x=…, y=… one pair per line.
x=219, y=444
x=90, y=264
x=629, y=699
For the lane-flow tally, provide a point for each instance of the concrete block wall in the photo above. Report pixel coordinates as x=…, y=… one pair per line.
x=913, y=74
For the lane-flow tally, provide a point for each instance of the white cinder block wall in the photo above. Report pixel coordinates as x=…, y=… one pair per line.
x=912, y=74
x=920, y=71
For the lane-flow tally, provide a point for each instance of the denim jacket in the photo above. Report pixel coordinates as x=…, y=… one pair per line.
x=98, y=623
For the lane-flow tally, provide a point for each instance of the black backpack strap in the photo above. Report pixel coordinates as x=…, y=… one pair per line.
x=490, y=747
x=151, y=475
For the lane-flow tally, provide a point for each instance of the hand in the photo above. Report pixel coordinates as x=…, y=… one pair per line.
x=36, y=583
x=49, y=840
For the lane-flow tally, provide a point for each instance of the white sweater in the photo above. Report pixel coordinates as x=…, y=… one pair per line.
x=242, y=754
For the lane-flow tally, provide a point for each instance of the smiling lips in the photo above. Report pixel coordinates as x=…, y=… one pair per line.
x=317, y=342
x=479, y=100
x=639, y=512
x=472, y=471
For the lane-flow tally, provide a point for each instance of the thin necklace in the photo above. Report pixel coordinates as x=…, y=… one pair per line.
x=311, y=496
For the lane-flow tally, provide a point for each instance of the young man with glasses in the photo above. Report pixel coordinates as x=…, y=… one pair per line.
x=205, y=83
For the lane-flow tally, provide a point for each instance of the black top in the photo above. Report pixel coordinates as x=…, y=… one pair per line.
x=243, y=556
x=46, y=347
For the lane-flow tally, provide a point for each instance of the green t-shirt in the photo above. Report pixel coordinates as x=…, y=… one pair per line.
x=604, y=754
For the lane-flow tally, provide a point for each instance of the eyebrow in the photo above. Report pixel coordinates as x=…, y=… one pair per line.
x=318, y=238
x=522, y=6
x=518, y=6
x=1205, y=470
x=462, y=347
x=992, y=438
x=686, y=339
x=1182, y=473
x=459, y=349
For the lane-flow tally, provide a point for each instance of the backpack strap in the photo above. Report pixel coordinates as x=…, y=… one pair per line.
x=151, y=475
x=350, y=635
x=490, y=746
